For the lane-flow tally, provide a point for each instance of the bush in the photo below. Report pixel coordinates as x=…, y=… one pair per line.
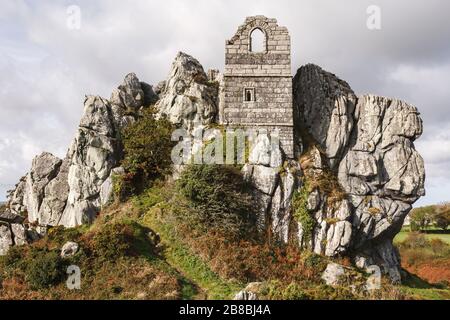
x=124, y=186
x=45, y=269
x=276, y=290
x=147, y=148
x=294, y=292
x=121, y=239
x=301, y=212
x=220, y=197
x=60, y=235
x=14, y=257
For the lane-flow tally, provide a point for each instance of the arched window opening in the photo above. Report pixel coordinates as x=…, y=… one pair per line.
x=257, y=41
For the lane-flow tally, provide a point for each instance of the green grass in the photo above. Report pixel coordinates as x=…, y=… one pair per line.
x=190, y=265
x=401, y=236
x=419, y=289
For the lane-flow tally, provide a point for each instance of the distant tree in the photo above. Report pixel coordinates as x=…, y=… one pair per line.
x=421, y=218
x=441, y=216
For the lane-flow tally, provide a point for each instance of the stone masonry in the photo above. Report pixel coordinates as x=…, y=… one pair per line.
x=258, y=85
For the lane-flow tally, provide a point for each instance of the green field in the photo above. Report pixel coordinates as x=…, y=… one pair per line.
x=404, y=233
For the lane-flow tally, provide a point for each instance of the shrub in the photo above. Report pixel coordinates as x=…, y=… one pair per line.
x=112, y=241
x=147, y=148
x=120, y=239
x=14, y=257
x=60, y=235
x=45, y=269
x=124, y=186
x=294, y=292
x=313, y=260
x=301, y=212
x=220, y=197
x=276, y=290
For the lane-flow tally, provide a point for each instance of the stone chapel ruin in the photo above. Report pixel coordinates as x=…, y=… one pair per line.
x=258, y=83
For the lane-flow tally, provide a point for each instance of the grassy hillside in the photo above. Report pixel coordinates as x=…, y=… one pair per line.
x=148, y=247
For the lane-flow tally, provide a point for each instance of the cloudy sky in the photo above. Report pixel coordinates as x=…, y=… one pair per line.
x=47, y=66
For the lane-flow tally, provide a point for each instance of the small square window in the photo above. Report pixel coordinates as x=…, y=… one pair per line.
x=249, y=94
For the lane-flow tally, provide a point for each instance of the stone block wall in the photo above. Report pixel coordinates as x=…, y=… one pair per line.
x=267, y=74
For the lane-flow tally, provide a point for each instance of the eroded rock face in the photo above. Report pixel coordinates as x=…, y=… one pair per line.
x=129, y=98
x=68, y=192
x=12, y=231
x=187, y=98
x=94, y=152
x=43, y=169
x=71, y=192
x=55, y=199
x=369, y=144
x=42, y=193
x=5, y=239
x=274, y=180
x=16, y=203
x=324, y=106
x=384, y=175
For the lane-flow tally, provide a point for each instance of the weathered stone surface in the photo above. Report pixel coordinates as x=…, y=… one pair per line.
x=274, y=185
x=262, y=204
x=5, y=239
x=250, y=292
x=44, y=168
x=266, y=152
x=67, y=192
x=9, y=217
x=280, y=211
x=94, y=152
x=333, y=274
x=16, y=203
x=19, y=234
x=383, y=254
x=106, y=189
x=369, y=141
x=384, y=175
x=55, y=199
x=324, y=105
x=338, y=238
x=187, y=98
x=383, y=159
x=69, y=249
x=128, y=98
x=245, y=295
x=264, y=179
x=42, y=194
x=96, y=148
x=129, y=95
